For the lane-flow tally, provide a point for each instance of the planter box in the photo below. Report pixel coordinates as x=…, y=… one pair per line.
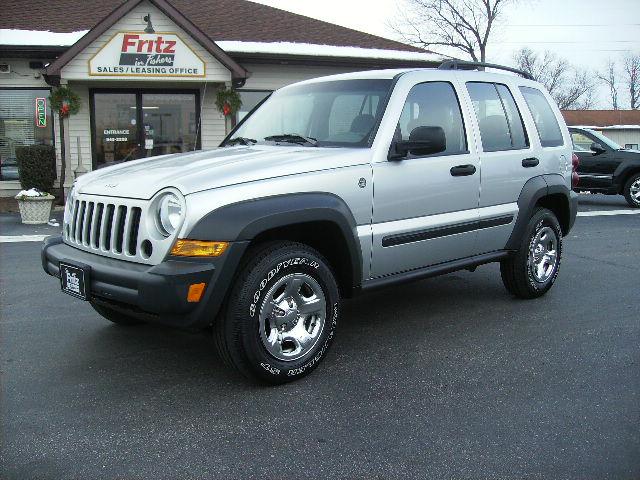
x=35, y=210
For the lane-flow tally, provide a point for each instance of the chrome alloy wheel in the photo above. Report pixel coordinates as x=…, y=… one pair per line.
x=543, y=254
x=635, y=191
x=292, y=316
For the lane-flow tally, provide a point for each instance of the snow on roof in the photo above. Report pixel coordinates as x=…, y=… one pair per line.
x=310, y=49
x=608, y=127
x=9, y=36
x=47, y=38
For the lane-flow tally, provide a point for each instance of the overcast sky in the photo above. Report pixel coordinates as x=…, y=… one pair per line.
x=586, y=32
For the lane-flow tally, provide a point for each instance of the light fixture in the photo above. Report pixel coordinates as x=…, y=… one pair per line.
x=149, y=29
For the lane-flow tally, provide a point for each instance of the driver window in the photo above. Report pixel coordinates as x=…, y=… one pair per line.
x=434, y=104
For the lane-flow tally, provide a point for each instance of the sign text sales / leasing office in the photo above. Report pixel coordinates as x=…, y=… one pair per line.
x=146, y=55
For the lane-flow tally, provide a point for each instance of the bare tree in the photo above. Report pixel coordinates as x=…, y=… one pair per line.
x=571, y=87
x=609, y=77
x=464, y=25
x=632, y=77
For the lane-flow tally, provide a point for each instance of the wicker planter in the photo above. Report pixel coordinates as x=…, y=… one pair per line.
x=35, y=210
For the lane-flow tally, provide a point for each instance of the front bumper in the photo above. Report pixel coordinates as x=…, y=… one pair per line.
x=156, y=293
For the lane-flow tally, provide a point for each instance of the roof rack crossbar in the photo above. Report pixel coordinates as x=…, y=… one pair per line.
x=461, y=64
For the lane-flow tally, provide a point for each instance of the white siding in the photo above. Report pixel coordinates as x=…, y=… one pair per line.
x=78, y=68
x=272, y=77
x=21, y=75
x=212, y=121
x=624, y=136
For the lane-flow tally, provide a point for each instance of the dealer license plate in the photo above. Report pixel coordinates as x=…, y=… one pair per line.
x=74, y=279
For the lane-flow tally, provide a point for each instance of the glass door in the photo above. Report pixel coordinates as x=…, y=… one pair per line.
x=115, y=128
x=169, y=122
x=131, y=125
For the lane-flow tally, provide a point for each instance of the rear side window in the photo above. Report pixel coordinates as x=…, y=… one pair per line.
x=434, y=104
x=499, y=120
x=543, y=116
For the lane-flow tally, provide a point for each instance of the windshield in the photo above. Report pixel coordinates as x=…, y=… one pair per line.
x=604, y=140
x=341, y=113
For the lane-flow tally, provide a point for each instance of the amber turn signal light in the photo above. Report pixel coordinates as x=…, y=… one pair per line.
x=198, y=248
x=195, y=292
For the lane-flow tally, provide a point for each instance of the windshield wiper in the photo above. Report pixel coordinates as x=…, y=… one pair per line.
x=292, y=138
x=241, y=141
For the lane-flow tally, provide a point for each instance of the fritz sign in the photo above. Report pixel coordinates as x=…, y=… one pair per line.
x=139, y=54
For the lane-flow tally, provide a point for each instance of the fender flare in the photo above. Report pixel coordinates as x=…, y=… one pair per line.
x=623, y=172
x=532, y=191
x=244, y=221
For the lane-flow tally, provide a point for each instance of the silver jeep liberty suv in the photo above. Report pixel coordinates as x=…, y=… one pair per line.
x=329, y=187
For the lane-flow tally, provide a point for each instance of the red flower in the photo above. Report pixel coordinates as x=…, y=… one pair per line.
x=226, y=110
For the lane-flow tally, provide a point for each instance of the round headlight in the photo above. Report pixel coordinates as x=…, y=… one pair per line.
x=169, y=213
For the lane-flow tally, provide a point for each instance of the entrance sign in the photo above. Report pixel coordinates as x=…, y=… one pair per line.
x=41, y=112
x=139, y=54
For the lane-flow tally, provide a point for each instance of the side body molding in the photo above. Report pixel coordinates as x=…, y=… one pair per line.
x=243, y=221
x=534, y=190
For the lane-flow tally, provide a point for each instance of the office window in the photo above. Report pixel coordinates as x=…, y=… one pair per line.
x=25, y=119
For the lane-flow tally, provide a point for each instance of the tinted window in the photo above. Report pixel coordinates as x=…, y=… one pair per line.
x=581, y=143
x=519, y=137
x=434, y=104
x=543, y=116
x=492, y=119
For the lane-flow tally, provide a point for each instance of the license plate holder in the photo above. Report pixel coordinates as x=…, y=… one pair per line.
x=74, y=279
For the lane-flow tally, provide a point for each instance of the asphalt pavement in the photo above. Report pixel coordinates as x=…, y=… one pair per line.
x=444, y=378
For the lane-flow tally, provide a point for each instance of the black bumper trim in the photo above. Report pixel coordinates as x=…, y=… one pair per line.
x=156, y=290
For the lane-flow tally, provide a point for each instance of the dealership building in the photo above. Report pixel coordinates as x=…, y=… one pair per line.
x=147, y=72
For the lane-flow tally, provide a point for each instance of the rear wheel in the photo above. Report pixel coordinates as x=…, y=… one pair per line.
x=115, y=316
x=632, y=191
x=281, y=314
x=531, y=271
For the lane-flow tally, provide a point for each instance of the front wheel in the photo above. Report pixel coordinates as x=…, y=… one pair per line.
x=281, y=314
x=531, y=271
x=632, y=191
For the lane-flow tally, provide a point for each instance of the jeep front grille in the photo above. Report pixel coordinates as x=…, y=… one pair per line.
x=105, y=226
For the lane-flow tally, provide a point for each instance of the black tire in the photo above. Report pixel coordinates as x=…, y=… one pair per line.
x=116, y=317
x=517, y=273
x=238, y=329
x=627, y=191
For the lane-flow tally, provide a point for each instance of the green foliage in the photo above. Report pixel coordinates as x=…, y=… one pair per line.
x=36, y=167
x=65, y=101
x=229, y=98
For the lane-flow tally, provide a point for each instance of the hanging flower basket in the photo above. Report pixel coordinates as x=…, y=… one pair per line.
x=228, y=102
x=65, y=101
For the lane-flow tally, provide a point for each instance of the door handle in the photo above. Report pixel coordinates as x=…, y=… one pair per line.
x=530, y=162
x=463, y=170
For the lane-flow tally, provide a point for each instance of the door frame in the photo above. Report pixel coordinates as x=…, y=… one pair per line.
x=139, y=120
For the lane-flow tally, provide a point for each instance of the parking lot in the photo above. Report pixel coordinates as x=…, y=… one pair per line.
x=444, y=378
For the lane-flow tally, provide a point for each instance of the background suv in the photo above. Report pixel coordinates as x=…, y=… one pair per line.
x=605, y=167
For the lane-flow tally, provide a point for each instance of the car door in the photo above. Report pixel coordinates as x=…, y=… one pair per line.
x=508, y=161
x=595, y=168
x=425, y=206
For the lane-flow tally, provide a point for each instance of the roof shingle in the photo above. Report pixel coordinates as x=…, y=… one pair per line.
x=219, y=19
x=601, y=118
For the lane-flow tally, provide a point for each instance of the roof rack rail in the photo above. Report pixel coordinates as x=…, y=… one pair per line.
x=461, y=64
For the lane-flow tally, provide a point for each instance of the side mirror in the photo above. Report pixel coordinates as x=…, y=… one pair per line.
x=597, y=148
x=422, y=141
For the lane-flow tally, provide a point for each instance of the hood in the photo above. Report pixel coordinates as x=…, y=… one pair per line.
x=204, y=170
